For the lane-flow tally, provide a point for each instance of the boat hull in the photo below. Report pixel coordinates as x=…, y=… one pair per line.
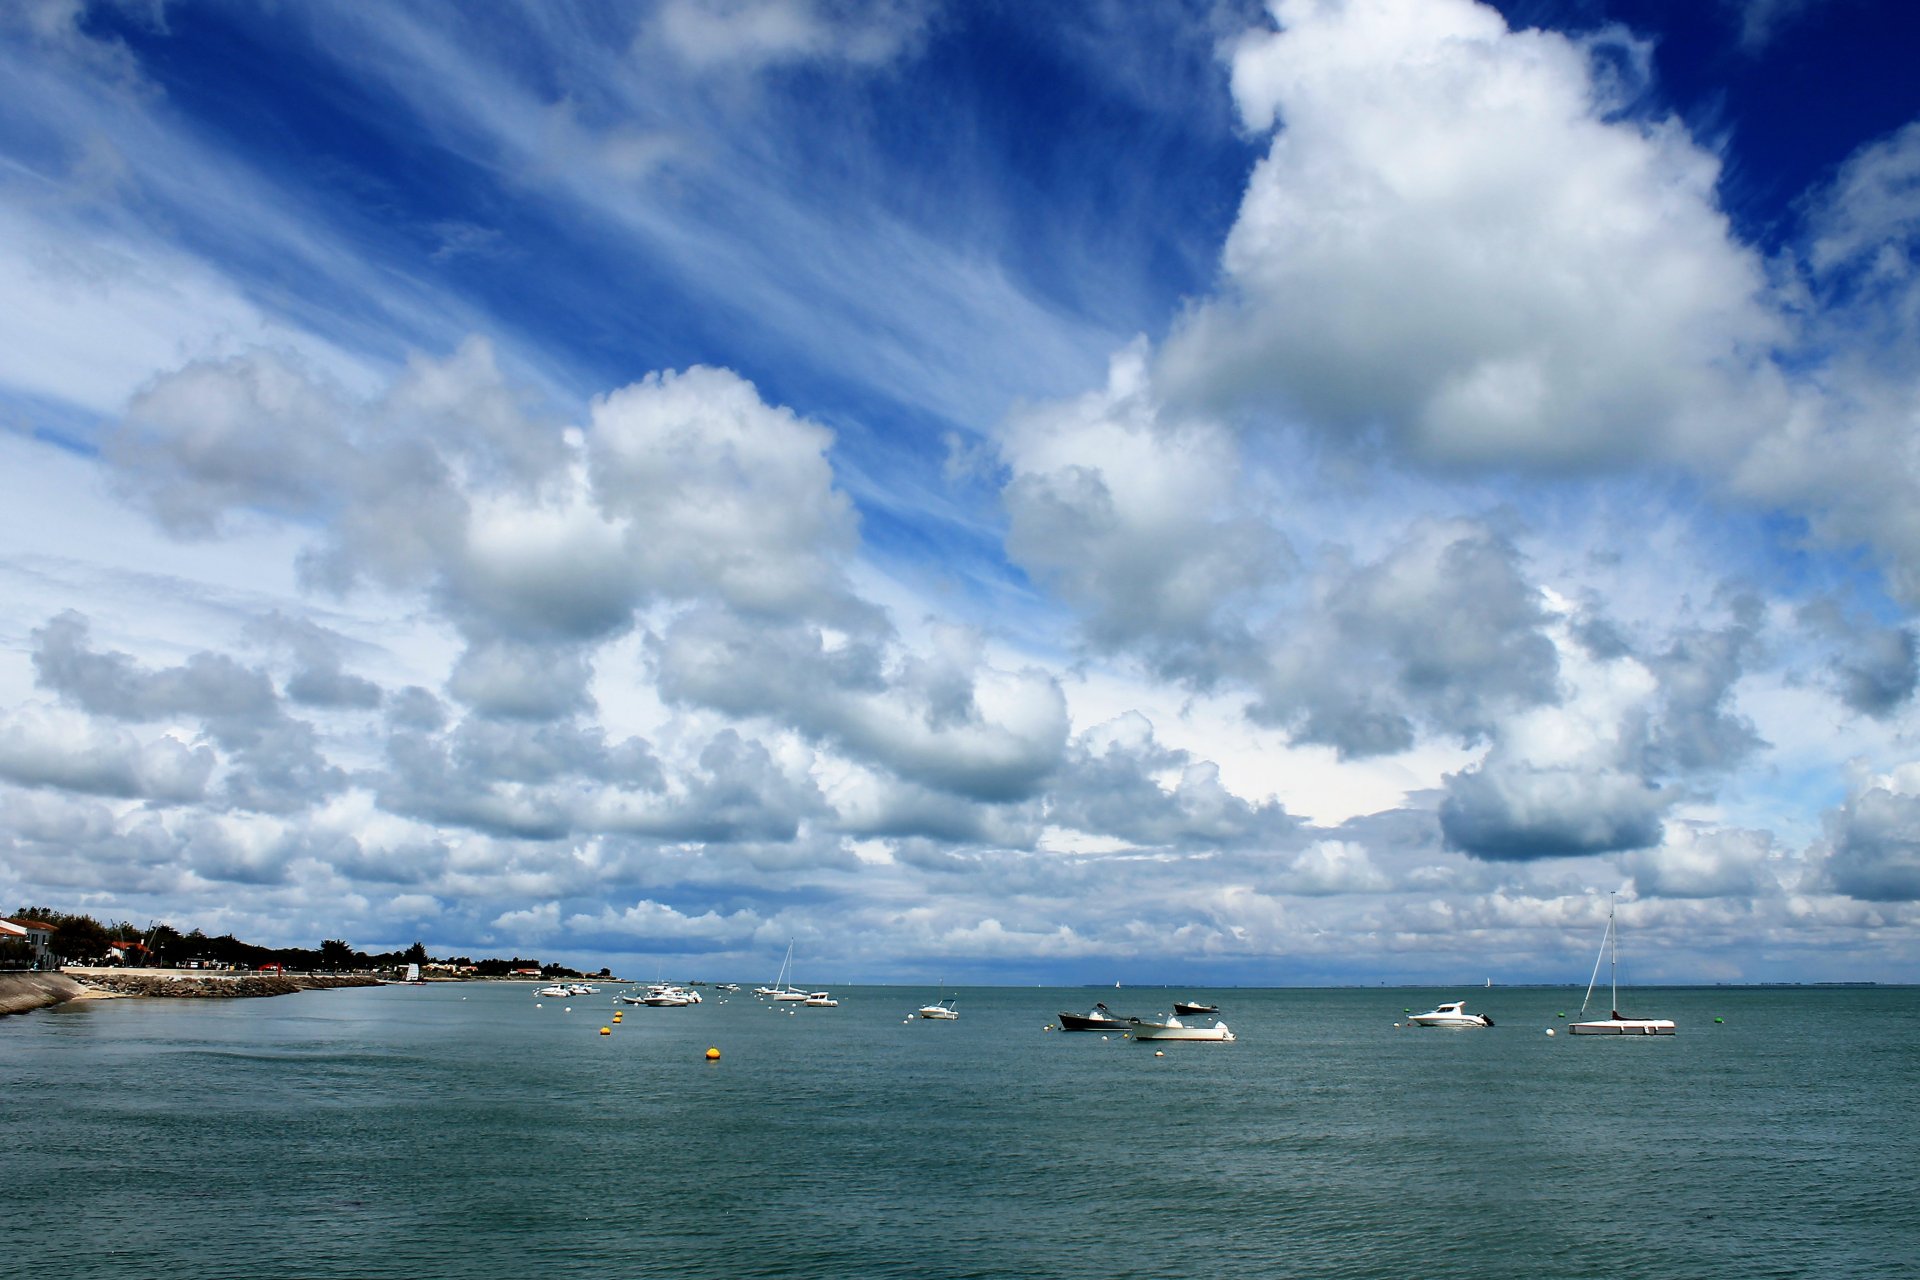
x=1624, y=1027
x=1451, y=1023
x=1217, y=1033
x=1081, y=1022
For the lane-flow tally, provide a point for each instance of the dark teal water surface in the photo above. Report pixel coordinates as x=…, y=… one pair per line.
x=465, y=1130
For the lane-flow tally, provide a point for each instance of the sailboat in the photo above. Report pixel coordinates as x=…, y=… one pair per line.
x=781, y=988
x=1617, y=1024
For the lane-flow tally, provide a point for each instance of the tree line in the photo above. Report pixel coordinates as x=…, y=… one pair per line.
x=80, y=938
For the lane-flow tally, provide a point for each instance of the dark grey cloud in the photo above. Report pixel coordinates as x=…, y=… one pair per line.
x=416, y=708
x=209, y=686
x=1695, y=730
x=1875, y=668
x=319, y=677
x=515, y=680
x=274, y=763
x=1875, y=839
x=942, y=719
x=1108, y=787
x=1514, y=812
x=422, y=781
x=36, y=751
x=1444, y=634
x=1171, y=595
x=913, y=814
x=1880, y=673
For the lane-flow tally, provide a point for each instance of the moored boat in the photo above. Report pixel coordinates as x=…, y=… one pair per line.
x=1452, y=1014
x=1101, y=1019
x=941, y=1010
x=1174, y=1029
x=1616, y=1023
x=1190, y=1010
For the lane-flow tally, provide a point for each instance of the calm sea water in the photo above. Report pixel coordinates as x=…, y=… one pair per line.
x=461, y=1131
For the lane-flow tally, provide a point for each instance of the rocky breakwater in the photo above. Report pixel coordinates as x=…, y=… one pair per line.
x=218, y=986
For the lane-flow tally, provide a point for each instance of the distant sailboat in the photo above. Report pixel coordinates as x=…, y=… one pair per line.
x=1617, y=1024
x=783, y=988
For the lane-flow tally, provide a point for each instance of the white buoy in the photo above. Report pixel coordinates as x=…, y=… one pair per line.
x=1549, y=1030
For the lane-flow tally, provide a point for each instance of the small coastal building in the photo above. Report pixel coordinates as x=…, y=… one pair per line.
x=38, y=935
x=129, y=953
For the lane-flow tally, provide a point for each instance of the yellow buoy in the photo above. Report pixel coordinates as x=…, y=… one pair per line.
x=713, y=1054
x=606, y=1031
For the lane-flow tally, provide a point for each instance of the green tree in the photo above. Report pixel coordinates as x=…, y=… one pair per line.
x=166, y=942
x=80, y=938
x=336, y=954
x=417, y=953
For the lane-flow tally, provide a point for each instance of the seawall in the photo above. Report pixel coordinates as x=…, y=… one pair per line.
x=20, y=992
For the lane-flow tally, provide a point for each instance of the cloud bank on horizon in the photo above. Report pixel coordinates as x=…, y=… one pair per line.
x=1314, y=493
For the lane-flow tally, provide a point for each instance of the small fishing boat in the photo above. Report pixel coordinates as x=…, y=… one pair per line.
x=1101, y=1019
x=818, y=1000
x=1452, y=1014
x=1192, y=1010
x=1174, y=1029
x=941, y=1010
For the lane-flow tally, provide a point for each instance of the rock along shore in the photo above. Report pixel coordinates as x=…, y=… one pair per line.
x=217, y=986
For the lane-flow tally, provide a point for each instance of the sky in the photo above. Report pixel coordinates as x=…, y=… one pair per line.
x=1308, y=493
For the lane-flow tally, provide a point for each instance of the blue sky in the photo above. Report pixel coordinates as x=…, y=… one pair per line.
x=1320, y=492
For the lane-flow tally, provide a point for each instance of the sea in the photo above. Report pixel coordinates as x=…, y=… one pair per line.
x=476, y=1130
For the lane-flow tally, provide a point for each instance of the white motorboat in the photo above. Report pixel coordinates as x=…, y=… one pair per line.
x=1174, y=1029
x=666, y=996
x=818, y=1000
x=941, y=1010
x=555, y=992
x=1452, y=1014
x=1616, y=1023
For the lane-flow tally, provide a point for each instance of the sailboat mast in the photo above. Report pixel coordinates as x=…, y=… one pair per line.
x=1613, y=958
